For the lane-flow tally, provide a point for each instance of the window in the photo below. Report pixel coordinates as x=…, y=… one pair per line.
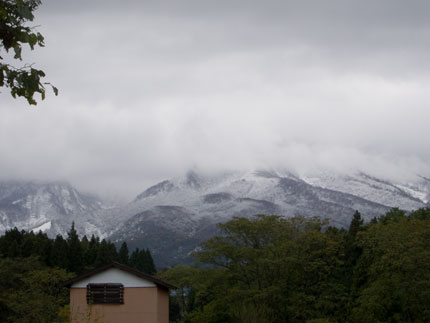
x=105, y=294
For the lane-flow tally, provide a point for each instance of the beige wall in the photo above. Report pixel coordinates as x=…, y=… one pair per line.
x=163, y=305
x=141, y=305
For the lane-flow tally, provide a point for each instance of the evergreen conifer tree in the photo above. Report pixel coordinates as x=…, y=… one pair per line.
x=106, y=253
x=90, y=254
x=134, y=258
x=123, y=254
x=75, y=252
x=58, y=257
x=149, y=263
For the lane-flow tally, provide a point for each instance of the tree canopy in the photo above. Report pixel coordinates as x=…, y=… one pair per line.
x=261, y=269
x=272, y=269
x=33, y=268
x=24, y=81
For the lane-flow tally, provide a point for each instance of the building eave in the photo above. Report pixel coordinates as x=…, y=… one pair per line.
x=156, y=281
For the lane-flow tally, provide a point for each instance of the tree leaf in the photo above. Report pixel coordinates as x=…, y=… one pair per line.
x=17, y=49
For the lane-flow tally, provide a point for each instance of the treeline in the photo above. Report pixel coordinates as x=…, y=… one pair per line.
x=72, y=253
x=273, y=269
x=33, y=268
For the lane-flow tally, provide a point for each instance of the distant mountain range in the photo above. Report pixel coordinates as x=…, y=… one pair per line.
x=172, y=217
x=50, y=207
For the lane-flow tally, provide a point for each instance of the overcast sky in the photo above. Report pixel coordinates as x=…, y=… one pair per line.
x=150, y=89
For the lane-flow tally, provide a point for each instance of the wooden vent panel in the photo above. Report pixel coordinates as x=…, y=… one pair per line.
x=105, y=294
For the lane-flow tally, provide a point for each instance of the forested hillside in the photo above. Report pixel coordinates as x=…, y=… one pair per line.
x=259, y=269
x=33, y=268
x=272, y=269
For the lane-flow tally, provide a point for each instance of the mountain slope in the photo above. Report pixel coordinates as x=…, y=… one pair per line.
x=174, y=216
x=406, y=196
x=50, y=207
x=182, y=212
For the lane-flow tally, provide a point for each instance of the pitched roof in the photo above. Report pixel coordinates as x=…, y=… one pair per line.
x=119, y=266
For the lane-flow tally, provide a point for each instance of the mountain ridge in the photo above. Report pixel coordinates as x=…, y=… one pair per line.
x=205, y=201
x=173, y=216
x=48, y=206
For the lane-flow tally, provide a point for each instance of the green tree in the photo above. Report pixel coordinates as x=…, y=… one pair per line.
x=197, y=296
x=31, y=292
x=106, y=253
x=394, y=215
x=10, y=243
x=59, y=257
x=149, y=266
x=277, y=269
x=184, y=278
x=123, y=256
x=142, y=261
x=352, y=249
x=23, y=81
x=394, y=270
x=90, y=255
x=420, y=214
x=74, y=251
x=356, y=224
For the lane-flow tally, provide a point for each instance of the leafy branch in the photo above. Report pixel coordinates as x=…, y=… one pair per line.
x=24, y=81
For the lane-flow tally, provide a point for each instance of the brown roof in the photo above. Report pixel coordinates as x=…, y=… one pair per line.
x=132, y=271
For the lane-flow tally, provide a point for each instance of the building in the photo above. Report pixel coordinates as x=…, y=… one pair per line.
x=116, y=293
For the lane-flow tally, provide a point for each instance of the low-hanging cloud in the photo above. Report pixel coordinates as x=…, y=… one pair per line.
x=148, y=91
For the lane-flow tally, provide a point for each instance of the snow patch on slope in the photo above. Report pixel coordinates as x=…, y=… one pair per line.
x=370, y=188
x=44, y=227
x=420, y=195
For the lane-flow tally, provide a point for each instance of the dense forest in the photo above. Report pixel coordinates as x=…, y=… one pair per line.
x=33, y=268
x=260, y=269
x=273, y=269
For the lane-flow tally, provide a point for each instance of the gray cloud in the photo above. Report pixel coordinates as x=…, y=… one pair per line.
x=149, y=89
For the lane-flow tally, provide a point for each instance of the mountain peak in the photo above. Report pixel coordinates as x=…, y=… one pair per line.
x=164, y=186
x=193, y=180
x=45, y=205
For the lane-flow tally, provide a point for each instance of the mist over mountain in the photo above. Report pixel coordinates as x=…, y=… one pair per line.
x=50, y=207
x=174, y=216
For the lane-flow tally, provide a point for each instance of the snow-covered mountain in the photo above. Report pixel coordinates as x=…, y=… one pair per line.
x=407, y=196
x=173, y=216
x=50, y=207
